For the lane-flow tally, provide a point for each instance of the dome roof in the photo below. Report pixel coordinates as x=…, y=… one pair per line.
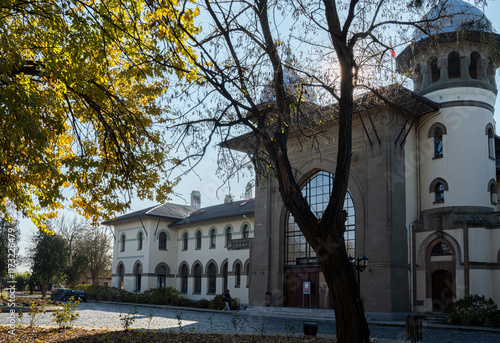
x=291, y=80
x=453, y=15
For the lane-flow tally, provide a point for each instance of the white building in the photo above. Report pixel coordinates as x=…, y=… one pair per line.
x=201, y=253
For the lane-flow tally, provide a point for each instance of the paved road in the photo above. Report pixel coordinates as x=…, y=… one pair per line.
x=108, y=315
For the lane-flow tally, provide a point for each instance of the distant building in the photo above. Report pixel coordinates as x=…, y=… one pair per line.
x=200, y=253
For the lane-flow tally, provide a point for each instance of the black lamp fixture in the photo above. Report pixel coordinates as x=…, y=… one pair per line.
x=360, y=264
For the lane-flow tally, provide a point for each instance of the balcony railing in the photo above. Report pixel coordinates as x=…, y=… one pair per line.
x=237, y=244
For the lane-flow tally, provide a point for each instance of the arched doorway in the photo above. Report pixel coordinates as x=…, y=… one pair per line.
x=301, y=266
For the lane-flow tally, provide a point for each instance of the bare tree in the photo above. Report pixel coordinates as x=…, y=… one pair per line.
x=250, y=84
x=71, y=228
x=94, y=250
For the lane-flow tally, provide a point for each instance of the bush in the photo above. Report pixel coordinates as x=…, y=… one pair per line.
x=182, y=302
x=473, y=310
x=219, y=304
x=203, y=303
x=161, y=296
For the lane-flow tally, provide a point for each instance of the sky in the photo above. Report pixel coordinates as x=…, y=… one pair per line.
x=205, y=178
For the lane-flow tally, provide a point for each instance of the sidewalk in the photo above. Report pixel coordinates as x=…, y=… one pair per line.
x=312, y=314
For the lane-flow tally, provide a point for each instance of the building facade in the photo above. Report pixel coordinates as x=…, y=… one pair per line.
x=201, y=253
x=422, y=198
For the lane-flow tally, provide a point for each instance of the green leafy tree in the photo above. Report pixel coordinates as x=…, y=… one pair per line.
x=22, y=280
x=49, y=258
x=79, y=88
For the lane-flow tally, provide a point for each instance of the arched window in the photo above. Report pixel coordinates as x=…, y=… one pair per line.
x=453, y=65
x=438, y=186
x=213, y=238
x=492, y=187
x=212, y=278
x=161, y=277
x=121, y=275
x=224, y=277
x=441, y=249
x=184, y=279
x=197, y=279
x=434, y=69
x=122, y=242
x=438, y=142
x=138, y=276
x=139, y=241
x=317, y=192
x=185, y=238
x=247, y=273
x=439, y=191
x=475, y=64
x=491, y=142
x=436, y=132
x=162, y=241
x=229, y=235
x=246, y=231
x=237, y=275
x=198, y=240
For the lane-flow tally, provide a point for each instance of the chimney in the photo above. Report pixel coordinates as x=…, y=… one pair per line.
x=195, y=201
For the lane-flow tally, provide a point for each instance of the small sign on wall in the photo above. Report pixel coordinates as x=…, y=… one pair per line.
x=307, y=287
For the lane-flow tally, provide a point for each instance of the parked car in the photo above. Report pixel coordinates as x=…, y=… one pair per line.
x=62, y=294
x=82, y=295
x=54, y=287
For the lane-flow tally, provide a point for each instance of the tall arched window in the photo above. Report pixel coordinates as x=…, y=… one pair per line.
x=237, y=275
x=212, y=278
x=453, y=65
x=122, y=242
x=198, y=240
x=493, y=192
x=317, y=192
x=491, y=142
x=229, y=235
x=434, y=69
x=475, y=64
x=197, y=279
x=439, y=191
x=162, y=241
x=138, y=276
x=161, y=277
x=438, y=142
x=185, y=238
x=246, y=231
x=184, y=279
x=121, y=275
x=224, y=277
x=213, y=238
x=139, y=240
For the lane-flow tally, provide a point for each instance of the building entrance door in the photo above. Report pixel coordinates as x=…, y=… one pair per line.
x=442, y=289
x=294, y=282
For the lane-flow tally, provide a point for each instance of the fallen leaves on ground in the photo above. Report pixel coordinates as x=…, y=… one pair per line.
x=25, y=334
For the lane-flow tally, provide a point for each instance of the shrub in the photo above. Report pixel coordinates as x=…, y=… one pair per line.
x=218, y=303
x=182, y=302
x=66, y=316
x=161, y=296
x=473, y=310
x=203, y=303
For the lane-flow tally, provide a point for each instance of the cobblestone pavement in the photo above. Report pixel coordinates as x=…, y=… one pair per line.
x=94, y=314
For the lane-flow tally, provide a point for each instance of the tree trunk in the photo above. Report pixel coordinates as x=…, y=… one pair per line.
x=350, y=320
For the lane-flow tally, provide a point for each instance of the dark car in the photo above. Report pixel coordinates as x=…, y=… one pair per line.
x=62, y=294
x=82, y=295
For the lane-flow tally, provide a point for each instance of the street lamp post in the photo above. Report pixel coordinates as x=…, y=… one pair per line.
x=360, y=265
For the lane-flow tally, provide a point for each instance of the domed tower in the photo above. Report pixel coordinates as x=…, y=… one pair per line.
x=453, y=228
x=451, y=64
